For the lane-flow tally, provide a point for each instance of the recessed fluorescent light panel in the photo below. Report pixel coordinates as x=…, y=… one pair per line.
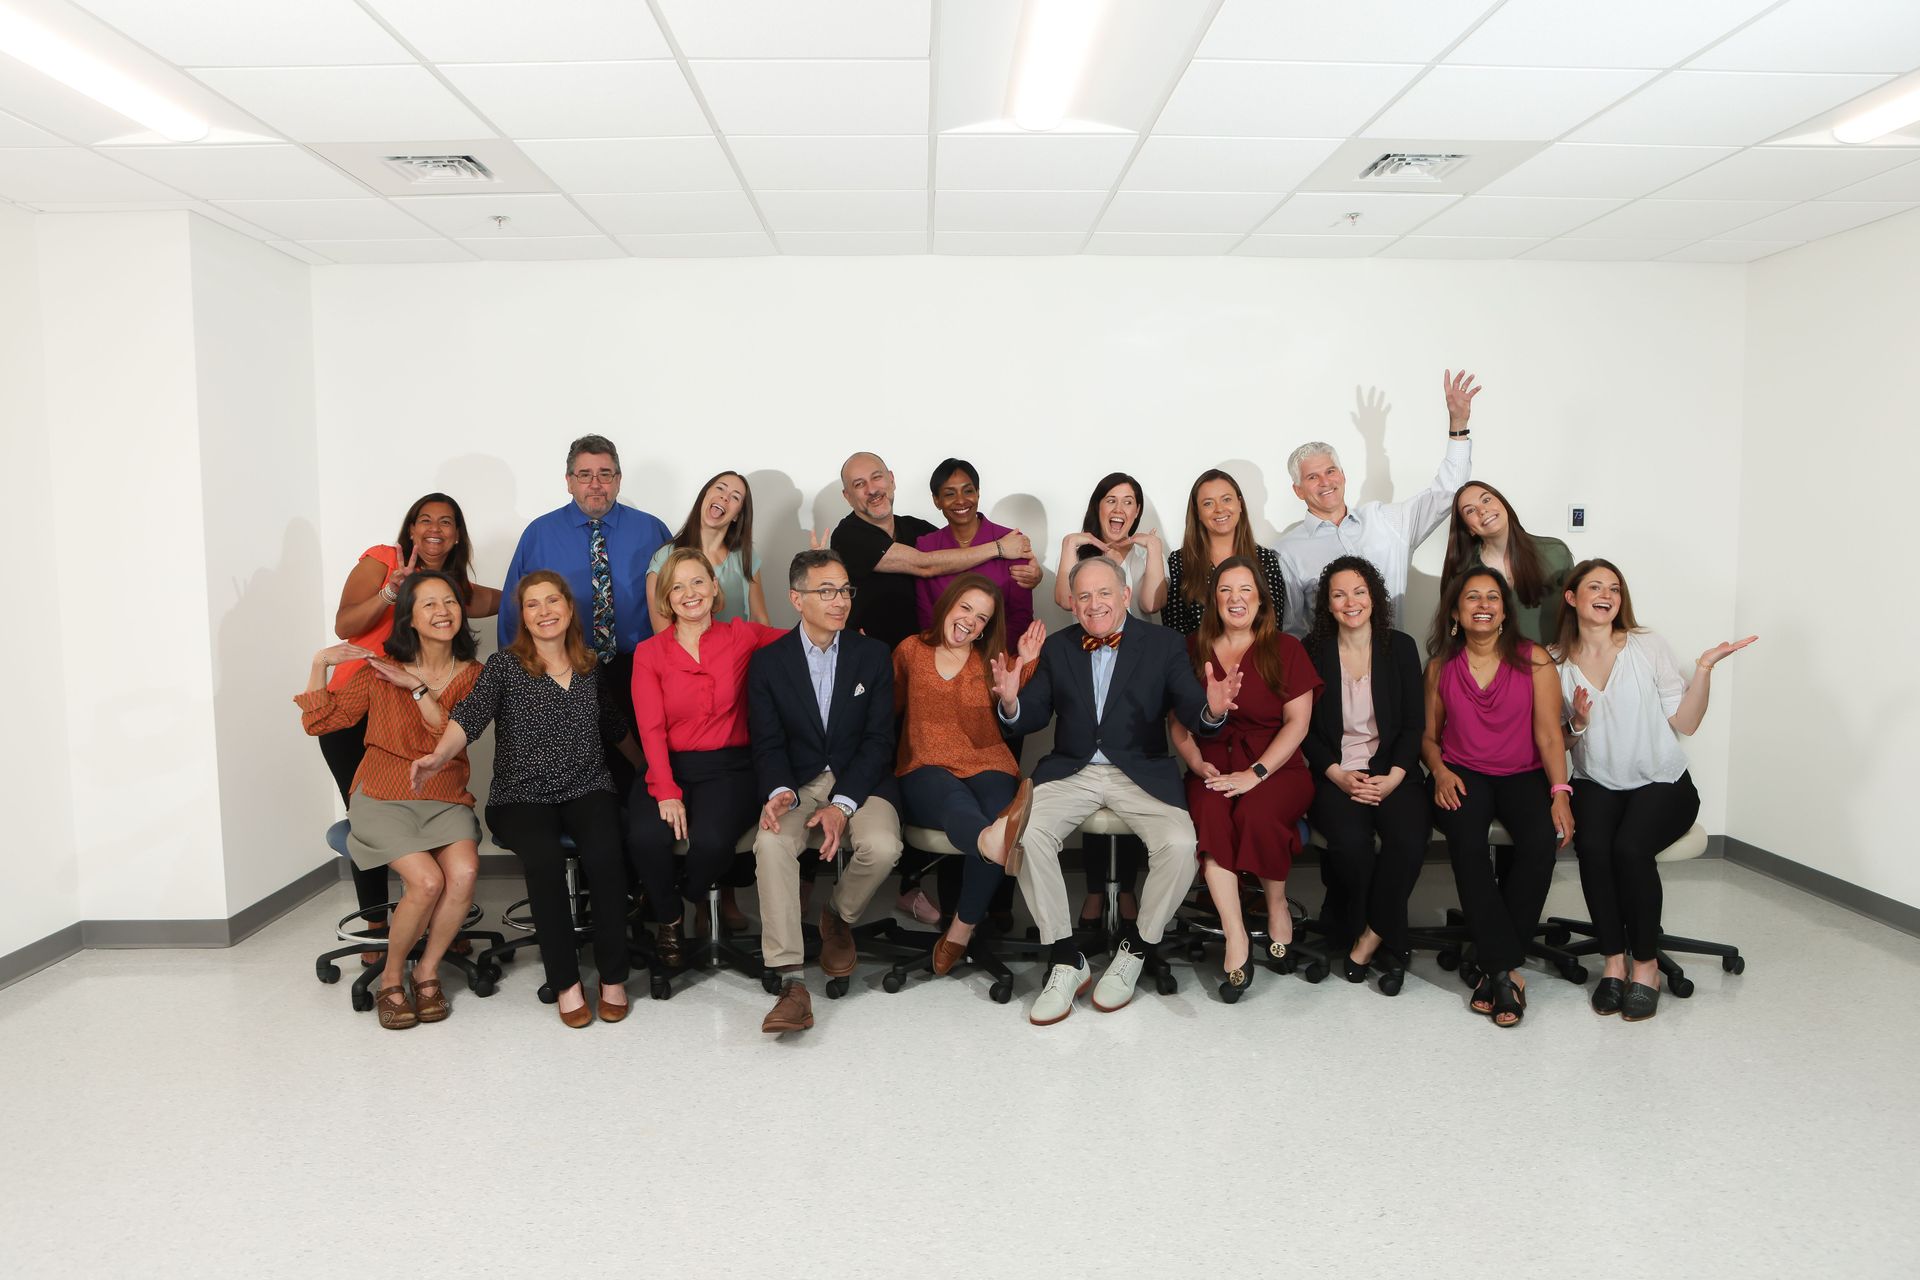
x=1056, y=43
x=82, y=72
x=1880, y=121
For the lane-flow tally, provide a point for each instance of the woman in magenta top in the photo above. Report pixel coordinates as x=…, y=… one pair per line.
x=690, y=704
x=1494, y=748
x=956, y=491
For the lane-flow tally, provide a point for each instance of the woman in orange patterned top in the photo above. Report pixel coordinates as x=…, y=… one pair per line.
x=432, y=838
x=956, y=772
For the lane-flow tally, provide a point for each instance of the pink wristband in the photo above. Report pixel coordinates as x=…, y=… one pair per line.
x=1560, y=789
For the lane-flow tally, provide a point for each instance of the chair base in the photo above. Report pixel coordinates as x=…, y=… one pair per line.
x=483, y=977
x=1196, y=922
x=1453, y=944
x=983, y=953
x=1731, y=961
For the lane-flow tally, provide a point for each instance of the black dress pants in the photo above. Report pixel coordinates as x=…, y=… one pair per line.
x=533, y=832
x=343, y=749
x=1368, y=886
x=723, y=803
x=1617, y=835
x=1502, y=910
x=962, y=808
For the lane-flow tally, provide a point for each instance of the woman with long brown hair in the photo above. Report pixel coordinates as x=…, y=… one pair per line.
x=1485, y=530
x=1248, y=785
x=720, y=527
x=1217, y=529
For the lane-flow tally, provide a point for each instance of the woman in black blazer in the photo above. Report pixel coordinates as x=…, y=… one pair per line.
x=1363, y=747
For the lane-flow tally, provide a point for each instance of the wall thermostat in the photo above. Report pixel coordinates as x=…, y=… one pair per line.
x=1576, y=518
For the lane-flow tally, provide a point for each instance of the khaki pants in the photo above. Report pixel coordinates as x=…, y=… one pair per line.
x=871, y=845
x=1060, y=806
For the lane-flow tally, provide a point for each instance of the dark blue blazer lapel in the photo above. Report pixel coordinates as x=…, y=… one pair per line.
x=1080, y=671
x=1126, y=659
x=846, y=674
x=796, y=658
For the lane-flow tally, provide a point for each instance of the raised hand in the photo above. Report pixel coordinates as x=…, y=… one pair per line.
x=1460, y=390
x=1015, y=546
x=423, y=769
x=674, y=814
x=1006, y=676
x=1031, y=641
x=335, y=654
x=817, y=541
x=1025, y=574
x=1726, y=648
x=831, y=819
x=1221, y=693
x=775, y=809
x=1156, y=549
x=398, y=578
x=393, y=674
x=1582, y=708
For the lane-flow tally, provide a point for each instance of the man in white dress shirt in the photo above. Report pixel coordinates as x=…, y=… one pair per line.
x=1385, y=533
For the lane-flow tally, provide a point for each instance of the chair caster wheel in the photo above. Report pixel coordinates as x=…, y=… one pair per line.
x=327, y=973
x=547, y=994
x=892, y=983
x=659, y=989
x=1574, y=973
x=1288, y=963
x=1390, y=984
x=1681, y=987
x=1447, y=958
x=1728, y=964
x=483, y=986
x=362, y=1001
x=1165, y=983
x=1196, y=951
x=1001, y=992
x=1557, y=936
x=837, y=987
x=1315, y=972
x=508, y=958
x=492, y=970
x=770, y=982
x=1470, y=974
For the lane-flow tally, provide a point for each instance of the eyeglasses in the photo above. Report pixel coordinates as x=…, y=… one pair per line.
x=588, y=477
x=830, y=593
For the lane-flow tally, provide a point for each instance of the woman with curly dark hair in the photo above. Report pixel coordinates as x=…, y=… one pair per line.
x=1363, y=747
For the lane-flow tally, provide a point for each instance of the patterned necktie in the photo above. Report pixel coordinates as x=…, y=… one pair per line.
x=1090, y=643
x=603, y=642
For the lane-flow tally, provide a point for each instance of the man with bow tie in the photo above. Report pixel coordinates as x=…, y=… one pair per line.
x=1109, y=684
x=820, y=713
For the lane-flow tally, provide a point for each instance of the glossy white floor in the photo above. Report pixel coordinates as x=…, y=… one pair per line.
x=220, y=1112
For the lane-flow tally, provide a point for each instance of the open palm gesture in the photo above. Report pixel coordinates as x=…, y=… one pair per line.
x=1460, y=389
x=1222, y=692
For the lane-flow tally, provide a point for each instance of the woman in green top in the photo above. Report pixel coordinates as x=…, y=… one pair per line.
x=720, y=526
x=1485, y=531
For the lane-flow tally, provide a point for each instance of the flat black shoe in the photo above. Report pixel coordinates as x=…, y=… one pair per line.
x=1354, y=969
x=1235, y=983
x=1641, y=1002
x=1606, y=996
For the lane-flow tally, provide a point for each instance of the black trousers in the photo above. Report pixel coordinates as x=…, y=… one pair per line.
x=1502, y=910
x=1368, y=887
x=1617, y=835
x=962, y=808
x=723, y=803
x=619, y=675
x=533, y=832
x=343, y=749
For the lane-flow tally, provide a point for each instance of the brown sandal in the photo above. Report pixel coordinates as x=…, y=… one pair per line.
x=396, y=1017
x=435, y=1007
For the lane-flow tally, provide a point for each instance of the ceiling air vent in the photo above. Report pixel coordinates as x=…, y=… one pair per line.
x=1411, y=166
x=440, y=171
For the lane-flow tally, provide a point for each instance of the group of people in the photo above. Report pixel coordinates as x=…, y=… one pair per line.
x=647, y=711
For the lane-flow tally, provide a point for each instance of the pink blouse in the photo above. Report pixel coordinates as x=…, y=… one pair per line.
x=1489, y=730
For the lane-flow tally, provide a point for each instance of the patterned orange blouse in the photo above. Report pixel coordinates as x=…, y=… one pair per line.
x=396, y=735
x=949, y=723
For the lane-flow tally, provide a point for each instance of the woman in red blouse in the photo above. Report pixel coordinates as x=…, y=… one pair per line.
x=690, y=702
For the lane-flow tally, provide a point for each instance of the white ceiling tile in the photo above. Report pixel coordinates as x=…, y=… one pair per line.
x=1731, y=250
x=895, y=162
x=1825, y=35
x=15, y=132
x=696, y=245
x=854, y=245
x=1728, y=108
x=1815, y=219
x=1487, y=247
x=1275, y=165
x=1279, y=99
x=1313, y=246
x=672, y=213
x=386, y=251
x=1577, y=250
x=1897, y=184
x=1516, y=216
x=519, y=31
x=1617, y=33
x=1030, y=161
x=844, y=212
x=544, y=248
x=800, y=28
x=253, y=33
x=582, y=99
x=259, y=172
x=1496, y=103
x=349, y=104
x=1187, y=211
x=1600, y=169
x=329, y=219
x=35, y=175
x=1349, y=31
x=299, y=252
x=1017, y=211
x=1035, y=244
x=1678, y=219
x=815, y=97
x=607, y=165
x=1784, y=173
x=211, y=213
x=471, y=217
x=40, y=101
x=1381, y=213
x=1162, y=246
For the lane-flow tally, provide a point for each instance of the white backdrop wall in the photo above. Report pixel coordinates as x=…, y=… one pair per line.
x=1617, y=386
x=1826, y=751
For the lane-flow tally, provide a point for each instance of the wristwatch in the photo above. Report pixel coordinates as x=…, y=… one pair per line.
x=419, y=691
x=1258, y=770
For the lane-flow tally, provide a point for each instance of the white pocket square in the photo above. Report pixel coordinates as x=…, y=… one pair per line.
x=859, y=689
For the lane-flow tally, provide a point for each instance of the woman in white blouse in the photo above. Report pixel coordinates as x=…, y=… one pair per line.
x=1627, y=706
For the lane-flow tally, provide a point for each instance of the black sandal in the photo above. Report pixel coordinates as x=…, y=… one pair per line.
x=1509, y=997
x=1482, y=995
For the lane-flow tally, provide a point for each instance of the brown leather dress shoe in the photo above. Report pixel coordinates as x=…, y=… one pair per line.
x=793, y=1011
x=577, y=1018
x=608, y=1012
x=946, y=955
x=836, y=944
x=1018, y=810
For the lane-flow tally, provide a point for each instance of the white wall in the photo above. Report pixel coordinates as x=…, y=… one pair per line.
x=39, y=872
x=1615, y=385
x=1826, y=701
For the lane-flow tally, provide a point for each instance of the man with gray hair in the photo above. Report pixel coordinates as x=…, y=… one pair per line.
x=1384, y=533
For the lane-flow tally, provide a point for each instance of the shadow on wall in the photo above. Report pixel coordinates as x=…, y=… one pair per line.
x=778, y=535
x=488, y=495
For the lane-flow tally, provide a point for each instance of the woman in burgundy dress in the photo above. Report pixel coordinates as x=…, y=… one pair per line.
x=1248, y=786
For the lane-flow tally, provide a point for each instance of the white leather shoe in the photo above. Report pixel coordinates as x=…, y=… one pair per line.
x=1065, y=982
x=1116, y=984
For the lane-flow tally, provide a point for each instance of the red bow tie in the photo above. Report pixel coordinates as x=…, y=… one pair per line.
x=1090, y=643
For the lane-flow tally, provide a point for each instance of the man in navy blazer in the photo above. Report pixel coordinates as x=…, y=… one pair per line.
x=820, y=712
x=1109, y=702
